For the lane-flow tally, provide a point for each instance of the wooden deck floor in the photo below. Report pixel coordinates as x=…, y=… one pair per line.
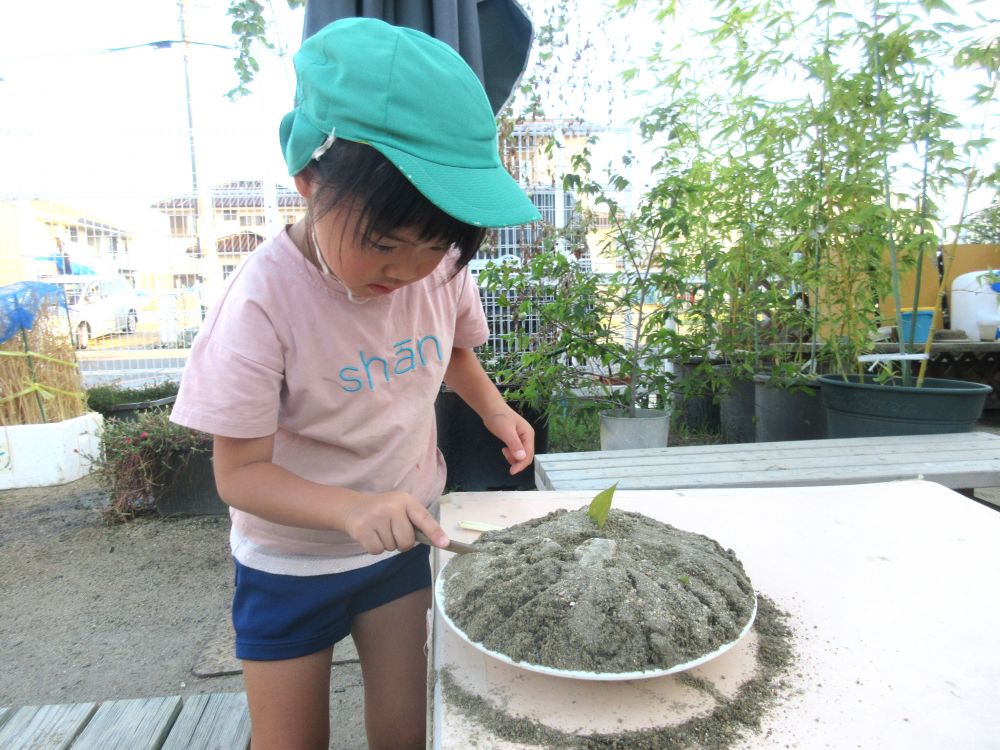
x=215, y=721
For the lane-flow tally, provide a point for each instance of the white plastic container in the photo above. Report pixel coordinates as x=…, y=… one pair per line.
x=975, y=306
x=41, y=455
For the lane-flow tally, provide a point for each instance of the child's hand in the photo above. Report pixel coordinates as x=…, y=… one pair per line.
x=517, y=435
x=385, y=521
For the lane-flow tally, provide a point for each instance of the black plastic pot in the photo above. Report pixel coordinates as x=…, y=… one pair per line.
x=858, y=407
x=736, y=412
x=191, y=491
x=787, y=411
x=695, y=405
x=473, y=454
x=129, y=412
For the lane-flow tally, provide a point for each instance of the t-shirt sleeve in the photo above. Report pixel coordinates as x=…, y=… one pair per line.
x=471, y=329
x=232, y=382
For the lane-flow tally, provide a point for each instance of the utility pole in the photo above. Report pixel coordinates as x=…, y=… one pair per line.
x=203, y=203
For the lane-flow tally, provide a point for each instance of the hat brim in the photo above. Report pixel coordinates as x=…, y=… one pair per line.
x=483, y=197
x=298, y=137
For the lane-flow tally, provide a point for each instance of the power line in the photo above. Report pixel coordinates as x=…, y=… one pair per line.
x=158, y=44
x=165, y=44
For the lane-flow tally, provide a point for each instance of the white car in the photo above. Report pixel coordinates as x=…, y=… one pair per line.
x=98, y=305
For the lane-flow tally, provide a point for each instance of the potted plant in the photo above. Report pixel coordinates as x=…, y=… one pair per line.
x=152, y=464
x=748, y=317
x=120, y=402
x=760, y=215
x=873, y=217
x=819, y=207
x=609, y=335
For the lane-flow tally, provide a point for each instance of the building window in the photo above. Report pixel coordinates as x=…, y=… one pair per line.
x=184, y=280
x=569, y=210
x=507, y=243
x=545, y=200
x=513, y=241
x=525, y=154
x=229, y=214
x=179, y=225
x=252, y=220
x=227, y=268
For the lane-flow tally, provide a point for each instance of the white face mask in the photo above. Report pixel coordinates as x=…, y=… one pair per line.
x=328, y=272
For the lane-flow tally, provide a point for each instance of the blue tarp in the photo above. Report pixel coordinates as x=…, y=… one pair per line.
x=20, y=304
x=66, y=266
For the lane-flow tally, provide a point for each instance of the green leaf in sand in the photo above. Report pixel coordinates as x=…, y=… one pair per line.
x=601, y=505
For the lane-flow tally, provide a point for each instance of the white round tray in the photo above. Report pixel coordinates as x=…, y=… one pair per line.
x=439, y=598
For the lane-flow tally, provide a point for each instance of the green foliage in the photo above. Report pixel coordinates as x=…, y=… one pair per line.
x=250, y=29
x=527, y=387
x=612, y=334
x=812, y=143
x=574, y=425
x=600, y=506
x=983, y=226
x=101, y=398
x=137, y=460
x=812, y=186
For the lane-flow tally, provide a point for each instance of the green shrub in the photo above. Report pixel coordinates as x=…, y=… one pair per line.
x=102, y=397
x=139, y=458
x=574, y=426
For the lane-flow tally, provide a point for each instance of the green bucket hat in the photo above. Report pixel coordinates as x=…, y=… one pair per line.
x=416, y=101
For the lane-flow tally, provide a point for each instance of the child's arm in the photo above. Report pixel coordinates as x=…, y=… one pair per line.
x=248, y=480
x=465, y=376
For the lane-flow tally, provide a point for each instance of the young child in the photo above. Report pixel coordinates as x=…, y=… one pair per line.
x=318, y=369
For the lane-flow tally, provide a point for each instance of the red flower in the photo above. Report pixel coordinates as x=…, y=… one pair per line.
x=143, y=435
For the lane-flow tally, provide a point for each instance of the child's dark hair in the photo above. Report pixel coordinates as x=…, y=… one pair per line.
x=385, y=199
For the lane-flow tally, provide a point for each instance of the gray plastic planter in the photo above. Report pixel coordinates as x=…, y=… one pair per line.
x=650, y=428
x=864, y=408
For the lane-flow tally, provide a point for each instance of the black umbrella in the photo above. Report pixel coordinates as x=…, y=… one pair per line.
x=493, y=36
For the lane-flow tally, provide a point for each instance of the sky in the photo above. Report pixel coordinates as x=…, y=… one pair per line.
x=107, y=131
x=110, y=128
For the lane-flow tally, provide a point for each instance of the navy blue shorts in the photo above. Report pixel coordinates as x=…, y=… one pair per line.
x=284, y=617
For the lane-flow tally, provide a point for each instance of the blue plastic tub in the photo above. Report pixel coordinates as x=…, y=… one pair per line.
x=923, y=329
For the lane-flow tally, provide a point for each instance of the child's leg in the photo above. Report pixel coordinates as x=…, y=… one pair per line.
x=390, y=641
x=289, y=702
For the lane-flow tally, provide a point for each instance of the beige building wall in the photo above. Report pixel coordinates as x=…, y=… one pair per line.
x=962, y=259
x=37, y=228
x=15, y=235
x=234, y=231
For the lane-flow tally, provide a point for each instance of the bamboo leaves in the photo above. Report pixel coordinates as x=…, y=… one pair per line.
x=600, y=506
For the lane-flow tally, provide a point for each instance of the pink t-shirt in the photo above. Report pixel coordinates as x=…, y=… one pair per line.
x=347, y=390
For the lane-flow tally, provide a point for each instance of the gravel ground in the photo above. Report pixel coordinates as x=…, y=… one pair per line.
x=92, y=612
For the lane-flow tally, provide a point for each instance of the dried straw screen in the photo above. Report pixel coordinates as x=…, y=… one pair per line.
x=39, y=377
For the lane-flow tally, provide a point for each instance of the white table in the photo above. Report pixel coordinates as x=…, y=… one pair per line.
x=893, y=592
